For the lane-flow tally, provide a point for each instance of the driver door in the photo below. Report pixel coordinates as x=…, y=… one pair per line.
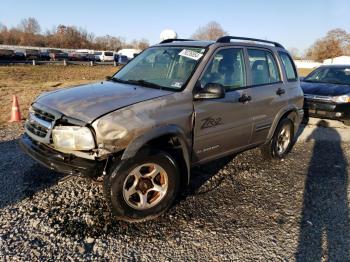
x=223, y=125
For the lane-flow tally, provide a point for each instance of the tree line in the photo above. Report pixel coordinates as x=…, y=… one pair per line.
x=335, y=43
x=29, y=33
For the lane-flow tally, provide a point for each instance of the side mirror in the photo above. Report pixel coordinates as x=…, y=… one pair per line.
x=301, y=78
x=210, y=91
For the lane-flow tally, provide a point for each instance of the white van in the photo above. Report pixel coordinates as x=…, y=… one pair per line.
x=104, y=56
x=130, y=53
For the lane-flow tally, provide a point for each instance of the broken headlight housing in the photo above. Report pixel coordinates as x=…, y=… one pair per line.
x=73, y=138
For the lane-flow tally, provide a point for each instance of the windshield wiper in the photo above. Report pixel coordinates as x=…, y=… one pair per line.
x=118, y=80
x=142, y=82
x=139, y=82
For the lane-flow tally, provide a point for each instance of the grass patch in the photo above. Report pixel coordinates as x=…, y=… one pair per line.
x=27, y=82
x=304, y=71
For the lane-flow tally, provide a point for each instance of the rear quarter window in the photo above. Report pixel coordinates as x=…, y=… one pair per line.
x=289, y=66
x=263, y=67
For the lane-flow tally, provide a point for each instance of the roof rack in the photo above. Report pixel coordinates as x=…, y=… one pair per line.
x=174, y=40
x=227, y=39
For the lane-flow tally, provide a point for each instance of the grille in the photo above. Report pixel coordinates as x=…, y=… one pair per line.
x=37, y=129
x=39, y=122
x=43, y=115
x=317, y=98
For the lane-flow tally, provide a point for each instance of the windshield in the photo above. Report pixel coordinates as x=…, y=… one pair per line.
x=162, y=67
x=334, y=75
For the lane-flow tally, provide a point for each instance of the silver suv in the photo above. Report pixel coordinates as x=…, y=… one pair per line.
x=178, y=104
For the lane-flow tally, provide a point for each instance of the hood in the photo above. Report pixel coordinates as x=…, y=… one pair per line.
x=88, y=102
x=325, y=89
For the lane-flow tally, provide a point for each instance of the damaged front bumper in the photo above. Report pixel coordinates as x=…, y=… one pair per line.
x=60, y=162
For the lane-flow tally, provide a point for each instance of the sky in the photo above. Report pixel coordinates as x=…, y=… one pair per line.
x=293, y=23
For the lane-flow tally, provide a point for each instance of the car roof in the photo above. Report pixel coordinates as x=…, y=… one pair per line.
x=223, y=41
x=187, y=43
x=338, y=65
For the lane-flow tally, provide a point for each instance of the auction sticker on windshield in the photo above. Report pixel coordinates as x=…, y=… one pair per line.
x=177, y=84
x=190, y=54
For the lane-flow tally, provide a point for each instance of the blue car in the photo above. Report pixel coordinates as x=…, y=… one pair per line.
x=121, y=59
x=327, y=93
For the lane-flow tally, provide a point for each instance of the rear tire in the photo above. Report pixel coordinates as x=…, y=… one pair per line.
x=281, y=142
x=143, y=187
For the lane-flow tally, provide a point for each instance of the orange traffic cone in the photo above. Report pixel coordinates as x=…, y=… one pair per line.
x=15, y=113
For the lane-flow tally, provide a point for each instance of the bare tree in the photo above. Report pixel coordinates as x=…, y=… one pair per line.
x=338, y=34
x=30, y=25
x=138, y=44
x=324, y=48
x=28, y=32
x=335, y=43
x=142, y=44
x=3, y=32
x=342, y=37
x=108, y=42
x=211, y=31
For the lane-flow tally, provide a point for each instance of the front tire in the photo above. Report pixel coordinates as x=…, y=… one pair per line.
x=282, y=141
x=142, y=188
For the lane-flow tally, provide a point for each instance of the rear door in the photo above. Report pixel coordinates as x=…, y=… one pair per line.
x=223, y=125
x=268, y=92
x=292, y=82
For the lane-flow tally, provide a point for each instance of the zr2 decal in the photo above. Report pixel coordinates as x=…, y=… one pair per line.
x=211, y=122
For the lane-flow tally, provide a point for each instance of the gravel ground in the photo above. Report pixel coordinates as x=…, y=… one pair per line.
x=238, y=208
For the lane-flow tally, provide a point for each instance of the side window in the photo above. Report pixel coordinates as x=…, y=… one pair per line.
x=263, y=67
x=273, y=69
x=226, y=68
x=288, y=66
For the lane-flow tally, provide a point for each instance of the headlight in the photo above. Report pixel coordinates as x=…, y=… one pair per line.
x=341, y=99
x=73, y=138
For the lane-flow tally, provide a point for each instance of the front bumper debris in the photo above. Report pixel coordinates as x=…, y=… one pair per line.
x=60, y=162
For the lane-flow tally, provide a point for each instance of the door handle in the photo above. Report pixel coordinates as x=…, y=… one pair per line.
x=244, y=98
x=280, y=91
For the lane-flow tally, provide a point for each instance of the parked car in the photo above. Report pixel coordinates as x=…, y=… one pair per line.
x=79, y=56
x=31, y=54
x=104, y=56
x=44, y=56
x=56, y=54
x=90, y=57
x=140, y=131
x=74, y=56
x=116, y=58
x=327, y=93
x=129, y=52
x=121, y=59
x=97, y=55
x=19, y=56
x=6, y=54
